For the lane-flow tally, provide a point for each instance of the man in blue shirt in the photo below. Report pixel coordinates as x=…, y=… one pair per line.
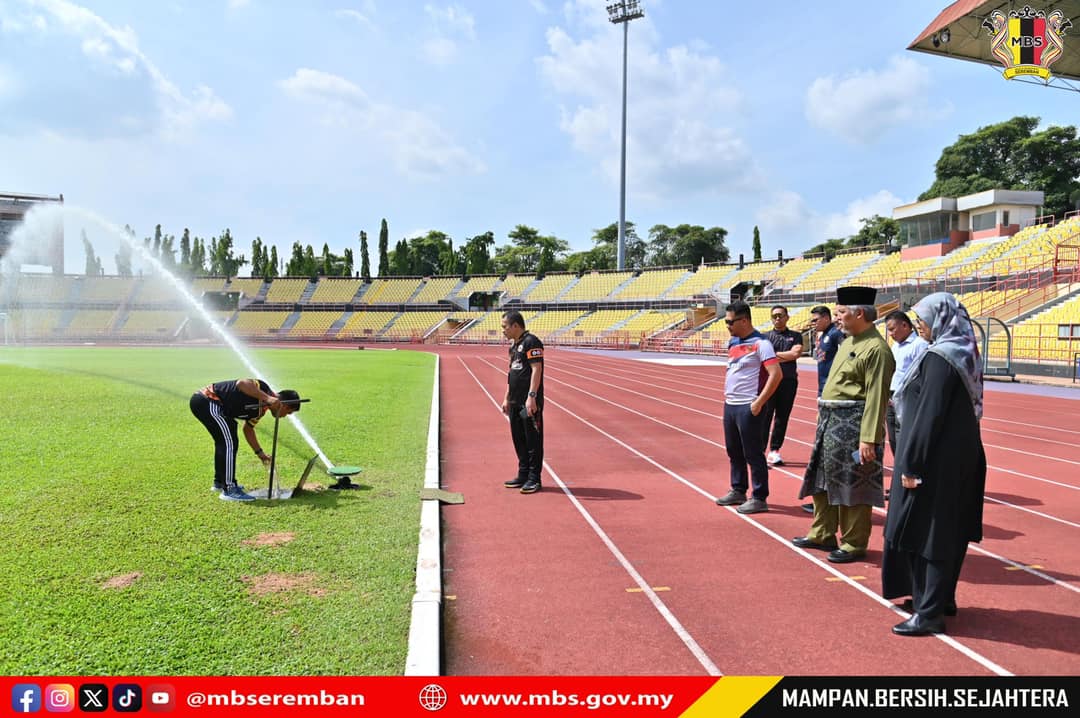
x=753, y=374
x=829, y=338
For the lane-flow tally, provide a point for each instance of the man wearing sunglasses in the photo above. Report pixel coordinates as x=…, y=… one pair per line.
x=753, y=374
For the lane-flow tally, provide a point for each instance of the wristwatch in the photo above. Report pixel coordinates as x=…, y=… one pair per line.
x=532, y=394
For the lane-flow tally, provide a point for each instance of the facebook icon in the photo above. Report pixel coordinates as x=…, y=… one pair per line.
x=25, y=698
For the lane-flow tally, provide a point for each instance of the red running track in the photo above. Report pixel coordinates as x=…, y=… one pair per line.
x=624, y=565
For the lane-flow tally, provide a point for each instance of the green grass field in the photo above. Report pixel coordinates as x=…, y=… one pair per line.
x=118, y=559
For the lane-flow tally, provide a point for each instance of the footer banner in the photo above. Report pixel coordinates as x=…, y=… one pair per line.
x=704, y=697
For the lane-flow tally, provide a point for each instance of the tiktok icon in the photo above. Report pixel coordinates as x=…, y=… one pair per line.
x=127, y=698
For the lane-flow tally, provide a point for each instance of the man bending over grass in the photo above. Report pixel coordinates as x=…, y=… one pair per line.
x=219, y=406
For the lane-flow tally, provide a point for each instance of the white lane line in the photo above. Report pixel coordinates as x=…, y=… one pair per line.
x=777, y=469
x=973, y=655
x=812, y=423
x=1032, y=511
x=646, y=588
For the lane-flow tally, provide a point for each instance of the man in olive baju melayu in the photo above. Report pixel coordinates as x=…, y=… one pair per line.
x=844, y=474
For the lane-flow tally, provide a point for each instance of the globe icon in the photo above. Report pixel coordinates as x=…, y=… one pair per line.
x=433, y=697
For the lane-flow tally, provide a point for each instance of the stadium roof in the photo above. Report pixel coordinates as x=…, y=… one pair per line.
x=967, y=39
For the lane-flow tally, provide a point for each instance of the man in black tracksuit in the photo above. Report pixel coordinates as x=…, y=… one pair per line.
x=219, y=406
x=524, y=402
x=788, y=344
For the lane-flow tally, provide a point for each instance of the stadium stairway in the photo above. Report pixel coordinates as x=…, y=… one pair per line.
x=290, y=320
x=619, y=325
x=338, y=325
x=305, y=296
x=619, y=287
x=674, y=288
x=64, y=320
x=566, y=289
x=1069, y=292
x=795, y=280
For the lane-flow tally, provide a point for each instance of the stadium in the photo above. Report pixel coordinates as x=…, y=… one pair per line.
x=1019, y=277
x=622, y=564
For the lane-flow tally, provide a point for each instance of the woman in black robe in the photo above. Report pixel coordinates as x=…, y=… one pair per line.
x=937, y=486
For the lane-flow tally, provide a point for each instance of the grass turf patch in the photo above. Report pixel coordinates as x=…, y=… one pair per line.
x=120, y=561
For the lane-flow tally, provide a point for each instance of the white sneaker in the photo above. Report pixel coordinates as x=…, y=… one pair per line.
x=774, y=458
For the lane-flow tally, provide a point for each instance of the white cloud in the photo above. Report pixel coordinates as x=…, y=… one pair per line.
x=324, y=87
x=787, y=211
x=117, y=49
x=364, y=15
x=448, y=26
x=681, y=111
x=452, y=20
x=539, y=6
x=866, y=104
x=418, y=146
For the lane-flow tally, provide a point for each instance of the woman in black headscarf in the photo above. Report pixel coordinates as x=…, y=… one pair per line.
x=937, y=487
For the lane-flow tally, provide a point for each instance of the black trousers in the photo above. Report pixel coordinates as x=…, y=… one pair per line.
x=528, y=435
x=933, y=583
x=223, y=429
x=779, y=405
x=892, y=427
x=742, y=436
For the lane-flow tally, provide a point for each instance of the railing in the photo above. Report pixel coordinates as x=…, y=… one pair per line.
x=1045, y=348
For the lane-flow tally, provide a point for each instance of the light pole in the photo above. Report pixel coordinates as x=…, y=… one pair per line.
x=622, y=12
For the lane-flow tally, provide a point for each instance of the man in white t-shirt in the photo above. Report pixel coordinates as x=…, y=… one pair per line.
x=753, y=373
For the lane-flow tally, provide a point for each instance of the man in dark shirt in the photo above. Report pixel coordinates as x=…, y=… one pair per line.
x=788, y=344
x=219, y=406
x=524, y=402
x=829, y=337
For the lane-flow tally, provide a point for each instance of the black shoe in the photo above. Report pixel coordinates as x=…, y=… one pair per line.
x=842, y=556
x=909, y=606
x=919, y=626
x=808, y=508
x=515, y=483
x=803, y=542
x=531, y=486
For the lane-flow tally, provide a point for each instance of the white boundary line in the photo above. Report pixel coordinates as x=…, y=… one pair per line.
x=657, y=603
x=425, y=626
x=575, y=370
x=813, y=410
x=782, y=470
x=970, y=653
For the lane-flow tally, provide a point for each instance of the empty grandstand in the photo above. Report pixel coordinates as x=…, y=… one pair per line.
x=1021, y=285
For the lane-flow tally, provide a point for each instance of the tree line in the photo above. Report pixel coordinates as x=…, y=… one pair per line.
x=527, y=252
x=1008, y=155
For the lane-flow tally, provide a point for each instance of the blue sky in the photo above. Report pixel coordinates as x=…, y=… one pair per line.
x=312, y=121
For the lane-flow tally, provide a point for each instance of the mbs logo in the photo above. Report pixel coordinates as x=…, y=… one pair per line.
x=1027, y=42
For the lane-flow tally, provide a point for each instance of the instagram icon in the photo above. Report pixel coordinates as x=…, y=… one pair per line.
x=59, y=698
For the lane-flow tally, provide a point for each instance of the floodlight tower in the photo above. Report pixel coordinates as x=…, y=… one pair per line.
x=621, y=13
